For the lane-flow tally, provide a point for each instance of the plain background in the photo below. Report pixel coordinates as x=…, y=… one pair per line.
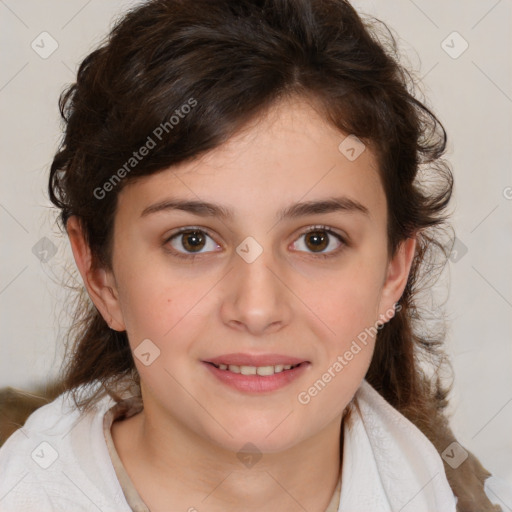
x=470, y=91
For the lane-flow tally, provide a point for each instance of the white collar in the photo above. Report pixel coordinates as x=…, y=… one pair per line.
x=389, y=465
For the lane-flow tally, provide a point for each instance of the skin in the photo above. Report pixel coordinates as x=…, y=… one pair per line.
x=181, y=450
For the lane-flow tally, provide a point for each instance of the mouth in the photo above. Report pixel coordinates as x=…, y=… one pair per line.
x=246, y=374
x=263, y=371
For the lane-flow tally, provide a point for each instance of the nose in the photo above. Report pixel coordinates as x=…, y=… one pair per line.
x=256, y=298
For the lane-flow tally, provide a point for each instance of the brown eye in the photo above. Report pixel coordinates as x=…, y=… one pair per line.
x=189, y=242
x=317, y=241
x=321, y=241
x=193, y=240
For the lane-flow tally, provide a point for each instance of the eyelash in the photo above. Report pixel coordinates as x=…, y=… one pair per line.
x=191, y=256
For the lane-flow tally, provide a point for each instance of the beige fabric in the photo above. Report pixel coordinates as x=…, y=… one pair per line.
x=127, y=408
x=123, y=410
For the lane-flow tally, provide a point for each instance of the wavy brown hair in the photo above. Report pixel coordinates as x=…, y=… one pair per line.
x=236, y=58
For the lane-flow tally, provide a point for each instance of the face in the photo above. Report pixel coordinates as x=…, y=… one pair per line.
x=255, y=274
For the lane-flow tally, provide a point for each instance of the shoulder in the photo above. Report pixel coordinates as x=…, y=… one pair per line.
x=59, y=460
x=392, y=434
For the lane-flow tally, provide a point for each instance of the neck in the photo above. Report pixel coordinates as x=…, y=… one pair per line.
x=175, y=469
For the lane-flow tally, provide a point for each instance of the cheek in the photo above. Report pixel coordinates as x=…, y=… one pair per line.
x=155, y=302
x=348, y=346
x=349, y=301
x=161, y=325
x=348, y=313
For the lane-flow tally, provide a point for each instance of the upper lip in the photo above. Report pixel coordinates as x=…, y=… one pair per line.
x=240, y=359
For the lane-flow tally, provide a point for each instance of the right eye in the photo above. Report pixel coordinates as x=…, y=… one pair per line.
x=189, y=242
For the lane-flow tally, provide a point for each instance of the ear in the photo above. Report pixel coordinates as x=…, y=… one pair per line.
x=99, y=282
x=396, y=278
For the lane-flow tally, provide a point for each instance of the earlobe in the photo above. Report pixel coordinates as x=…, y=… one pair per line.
x=99, y=282
x=396, y=280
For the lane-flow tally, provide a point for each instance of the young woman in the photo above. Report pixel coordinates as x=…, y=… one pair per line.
x=243, y=187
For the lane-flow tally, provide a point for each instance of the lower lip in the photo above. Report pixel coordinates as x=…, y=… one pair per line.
x=257, y=383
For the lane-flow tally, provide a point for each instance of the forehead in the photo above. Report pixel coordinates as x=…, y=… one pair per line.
x=289, y=153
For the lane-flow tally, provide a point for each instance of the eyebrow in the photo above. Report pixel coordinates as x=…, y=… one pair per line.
x=206, y=209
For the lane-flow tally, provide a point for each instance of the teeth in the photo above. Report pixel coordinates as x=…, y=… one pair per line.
x=256, y=370
x=248, y=370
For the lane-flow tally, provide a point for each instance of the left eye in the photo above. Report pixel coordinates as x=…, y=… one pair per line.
x=317, y=239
